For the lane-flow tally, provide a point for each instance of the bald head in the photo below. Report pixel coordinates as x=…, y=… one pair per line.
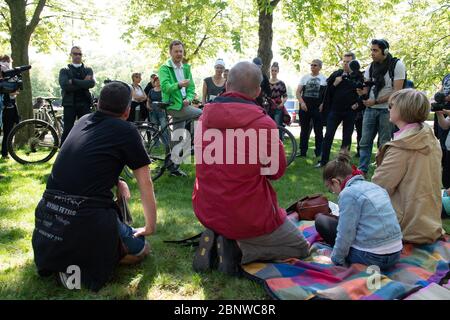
x=245, y=77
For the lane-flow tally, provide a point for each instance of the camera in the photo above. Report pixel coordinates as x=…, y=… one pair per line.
x=440, y=103
x=356, y=77
x=12, y=79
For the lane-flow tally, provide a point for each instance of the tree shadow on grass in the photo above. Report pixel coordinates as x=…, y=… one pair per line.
x=8, y=236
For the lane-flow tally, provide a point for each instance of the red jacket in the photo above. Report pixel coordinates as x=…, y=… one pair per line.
x=236, y=200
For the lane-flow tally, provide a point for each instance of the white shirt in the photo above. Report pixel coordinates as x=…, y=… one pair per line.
x=311, y=85
x=179, y=73
x=399, y=74
x=393, y=247
x=137, y=91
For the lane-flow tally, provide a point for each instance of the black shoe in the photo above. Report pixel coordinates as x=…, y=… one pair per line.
x=178, y=173
x=229, y=256
x=206, y=254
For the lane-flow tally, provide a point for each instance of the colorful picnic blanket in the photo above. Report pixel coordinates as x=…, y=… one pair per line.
x=317, y=277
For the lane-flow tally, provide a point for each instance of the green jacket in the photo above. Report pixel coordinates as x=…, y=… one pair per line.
x=169, y=85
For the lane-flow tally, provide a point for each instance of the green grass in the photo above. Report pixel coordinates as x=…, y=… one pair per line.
x=166, y=273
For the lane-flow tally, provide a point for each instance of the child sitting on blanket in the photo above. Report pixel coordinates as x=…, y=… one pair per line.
x=367, y=230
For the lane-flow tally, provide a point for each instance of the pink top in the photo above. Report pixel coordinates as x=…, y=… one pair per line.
x=407, y=127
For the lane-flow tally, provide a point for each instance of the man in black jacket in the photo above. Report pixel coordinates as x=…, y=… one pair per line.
x=75, y=81
x=341, y=102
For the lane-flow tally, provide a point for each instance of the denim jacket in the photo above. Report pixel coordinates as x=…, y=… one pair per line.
x=366, y=218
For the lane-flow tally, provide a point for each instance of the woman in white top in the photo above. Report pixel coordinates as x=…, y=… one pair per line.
x=139, y=98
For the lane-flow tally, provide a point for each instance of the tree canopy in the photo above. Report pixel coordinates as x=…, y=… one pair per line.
x=417, y=30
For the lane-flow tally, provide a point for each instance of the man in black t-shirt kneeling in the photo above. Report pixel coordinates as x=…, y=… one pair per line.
x=77, y=230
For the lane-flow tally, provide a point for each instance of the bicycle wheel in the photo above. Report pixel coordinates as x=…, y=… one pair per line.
x=33, y=141
x=158, y=149
x=290, y=144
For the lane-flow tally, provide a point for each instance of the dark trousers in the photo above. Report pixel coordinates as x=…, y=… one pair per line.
x=358, y=127
x=143, y=111
x=10, y=119
x=305, y=127
x=446, y=168
x=326, y=226
x=72, y=113
x=334, y=119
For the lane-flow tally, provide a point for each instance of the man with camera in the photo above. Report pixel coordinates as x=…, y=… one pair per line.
x=442, y=108
x=75, y=81
x=10, y=115
x=178, y=88
x=341, y=101
x=384, y=76
x=77, y=222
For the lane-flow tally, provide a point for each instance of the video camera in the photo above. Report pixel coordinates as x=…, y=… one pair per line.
x=440, y=103
x=356, y=76
x=11, y=80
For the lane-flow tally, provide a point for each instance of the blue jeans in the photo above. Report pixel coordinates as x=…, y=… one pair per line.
x=159, y=117
x=383, y=261
x=375, y=121
x=334, y=119
x=278, y=118
x=134, y=245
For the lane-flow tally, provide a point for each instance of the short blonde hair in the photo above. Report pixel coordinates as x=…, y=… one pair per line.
x=412, y=105
x=135, y=75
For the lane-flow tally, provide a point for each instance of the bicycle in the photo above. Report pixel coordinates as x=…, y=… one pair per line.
x=159, y=150
x=286, y=136
x=36, y=140
x=157, y=142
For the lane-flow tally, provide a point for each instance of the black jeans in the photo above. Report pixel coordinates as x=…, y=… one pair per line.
x=143, y=111
x=334, y=119
x=10, y=118
x=326, y=226
x=358, y=126
x=446, y=168
x=71, y=113
x=305, y=127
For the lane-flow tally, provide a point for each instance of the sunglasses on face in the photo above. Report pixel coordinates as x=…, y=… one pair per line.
x=314, y=65
x=77, y=54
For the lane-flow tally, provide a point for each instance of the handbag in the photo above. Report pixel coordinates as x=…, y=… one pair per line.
x=124, y=211
x=309, y=206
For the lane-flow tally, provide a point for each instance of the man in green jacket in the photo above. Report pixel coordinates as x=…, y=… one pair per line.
x=178, y=88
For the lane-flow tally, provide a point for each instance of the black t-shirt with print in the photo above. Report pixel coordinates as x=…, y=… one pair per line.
x=94, y=154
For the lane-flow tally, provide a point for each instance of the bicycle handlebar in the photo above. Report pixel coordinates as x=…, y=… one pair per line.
x=161, y=104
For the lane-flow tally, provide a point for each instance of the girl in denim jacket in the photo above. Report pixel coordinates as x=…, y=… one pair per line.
x=367, y=231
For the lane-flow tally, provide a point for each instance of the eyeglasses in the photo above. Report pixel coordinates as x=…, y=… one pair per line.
x=77, y=54
x=314, y=65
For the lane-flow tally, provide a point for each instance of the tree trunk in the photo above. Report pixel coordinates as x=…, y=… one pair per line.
x=265, y=32
x=20, y=40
